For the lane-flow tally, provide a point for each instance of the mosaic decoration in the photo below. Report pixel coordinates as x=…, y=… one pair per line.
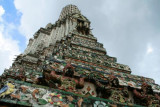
x=27, y=94
x=100, y=104
x=55, y=99
x=89, y=89
x=65, y=66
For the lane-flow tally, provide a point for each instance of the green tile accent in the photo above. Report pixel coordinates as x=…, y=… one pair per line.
x=24, y=103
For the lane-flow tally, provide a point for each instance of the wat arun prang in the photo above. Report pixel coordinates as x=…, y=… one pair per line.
x=64, y=65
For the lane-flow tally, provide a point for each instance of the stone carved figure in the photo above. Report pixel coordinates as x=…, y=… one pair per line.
x=67, y=81
x=113, y=81
x=145, y=94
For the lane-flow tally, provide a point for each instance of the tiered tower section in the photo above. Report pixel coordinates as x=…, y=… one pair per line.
x=53, y=32
x=64, y=65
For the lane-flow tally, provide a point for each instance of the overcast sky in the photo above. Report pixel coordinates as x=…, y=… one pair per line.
x=129, y=29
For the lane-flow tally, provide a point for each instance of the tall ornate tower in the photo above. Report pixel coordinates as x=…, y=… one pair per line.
x=64, y=65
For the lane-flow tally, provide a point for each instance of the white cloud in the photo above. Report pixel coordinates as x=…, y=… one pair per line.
x=8, y=47
x=35, y=14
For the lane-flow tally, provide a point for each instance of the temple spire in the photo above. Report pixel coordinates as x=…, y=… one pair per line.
x=69, y=10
